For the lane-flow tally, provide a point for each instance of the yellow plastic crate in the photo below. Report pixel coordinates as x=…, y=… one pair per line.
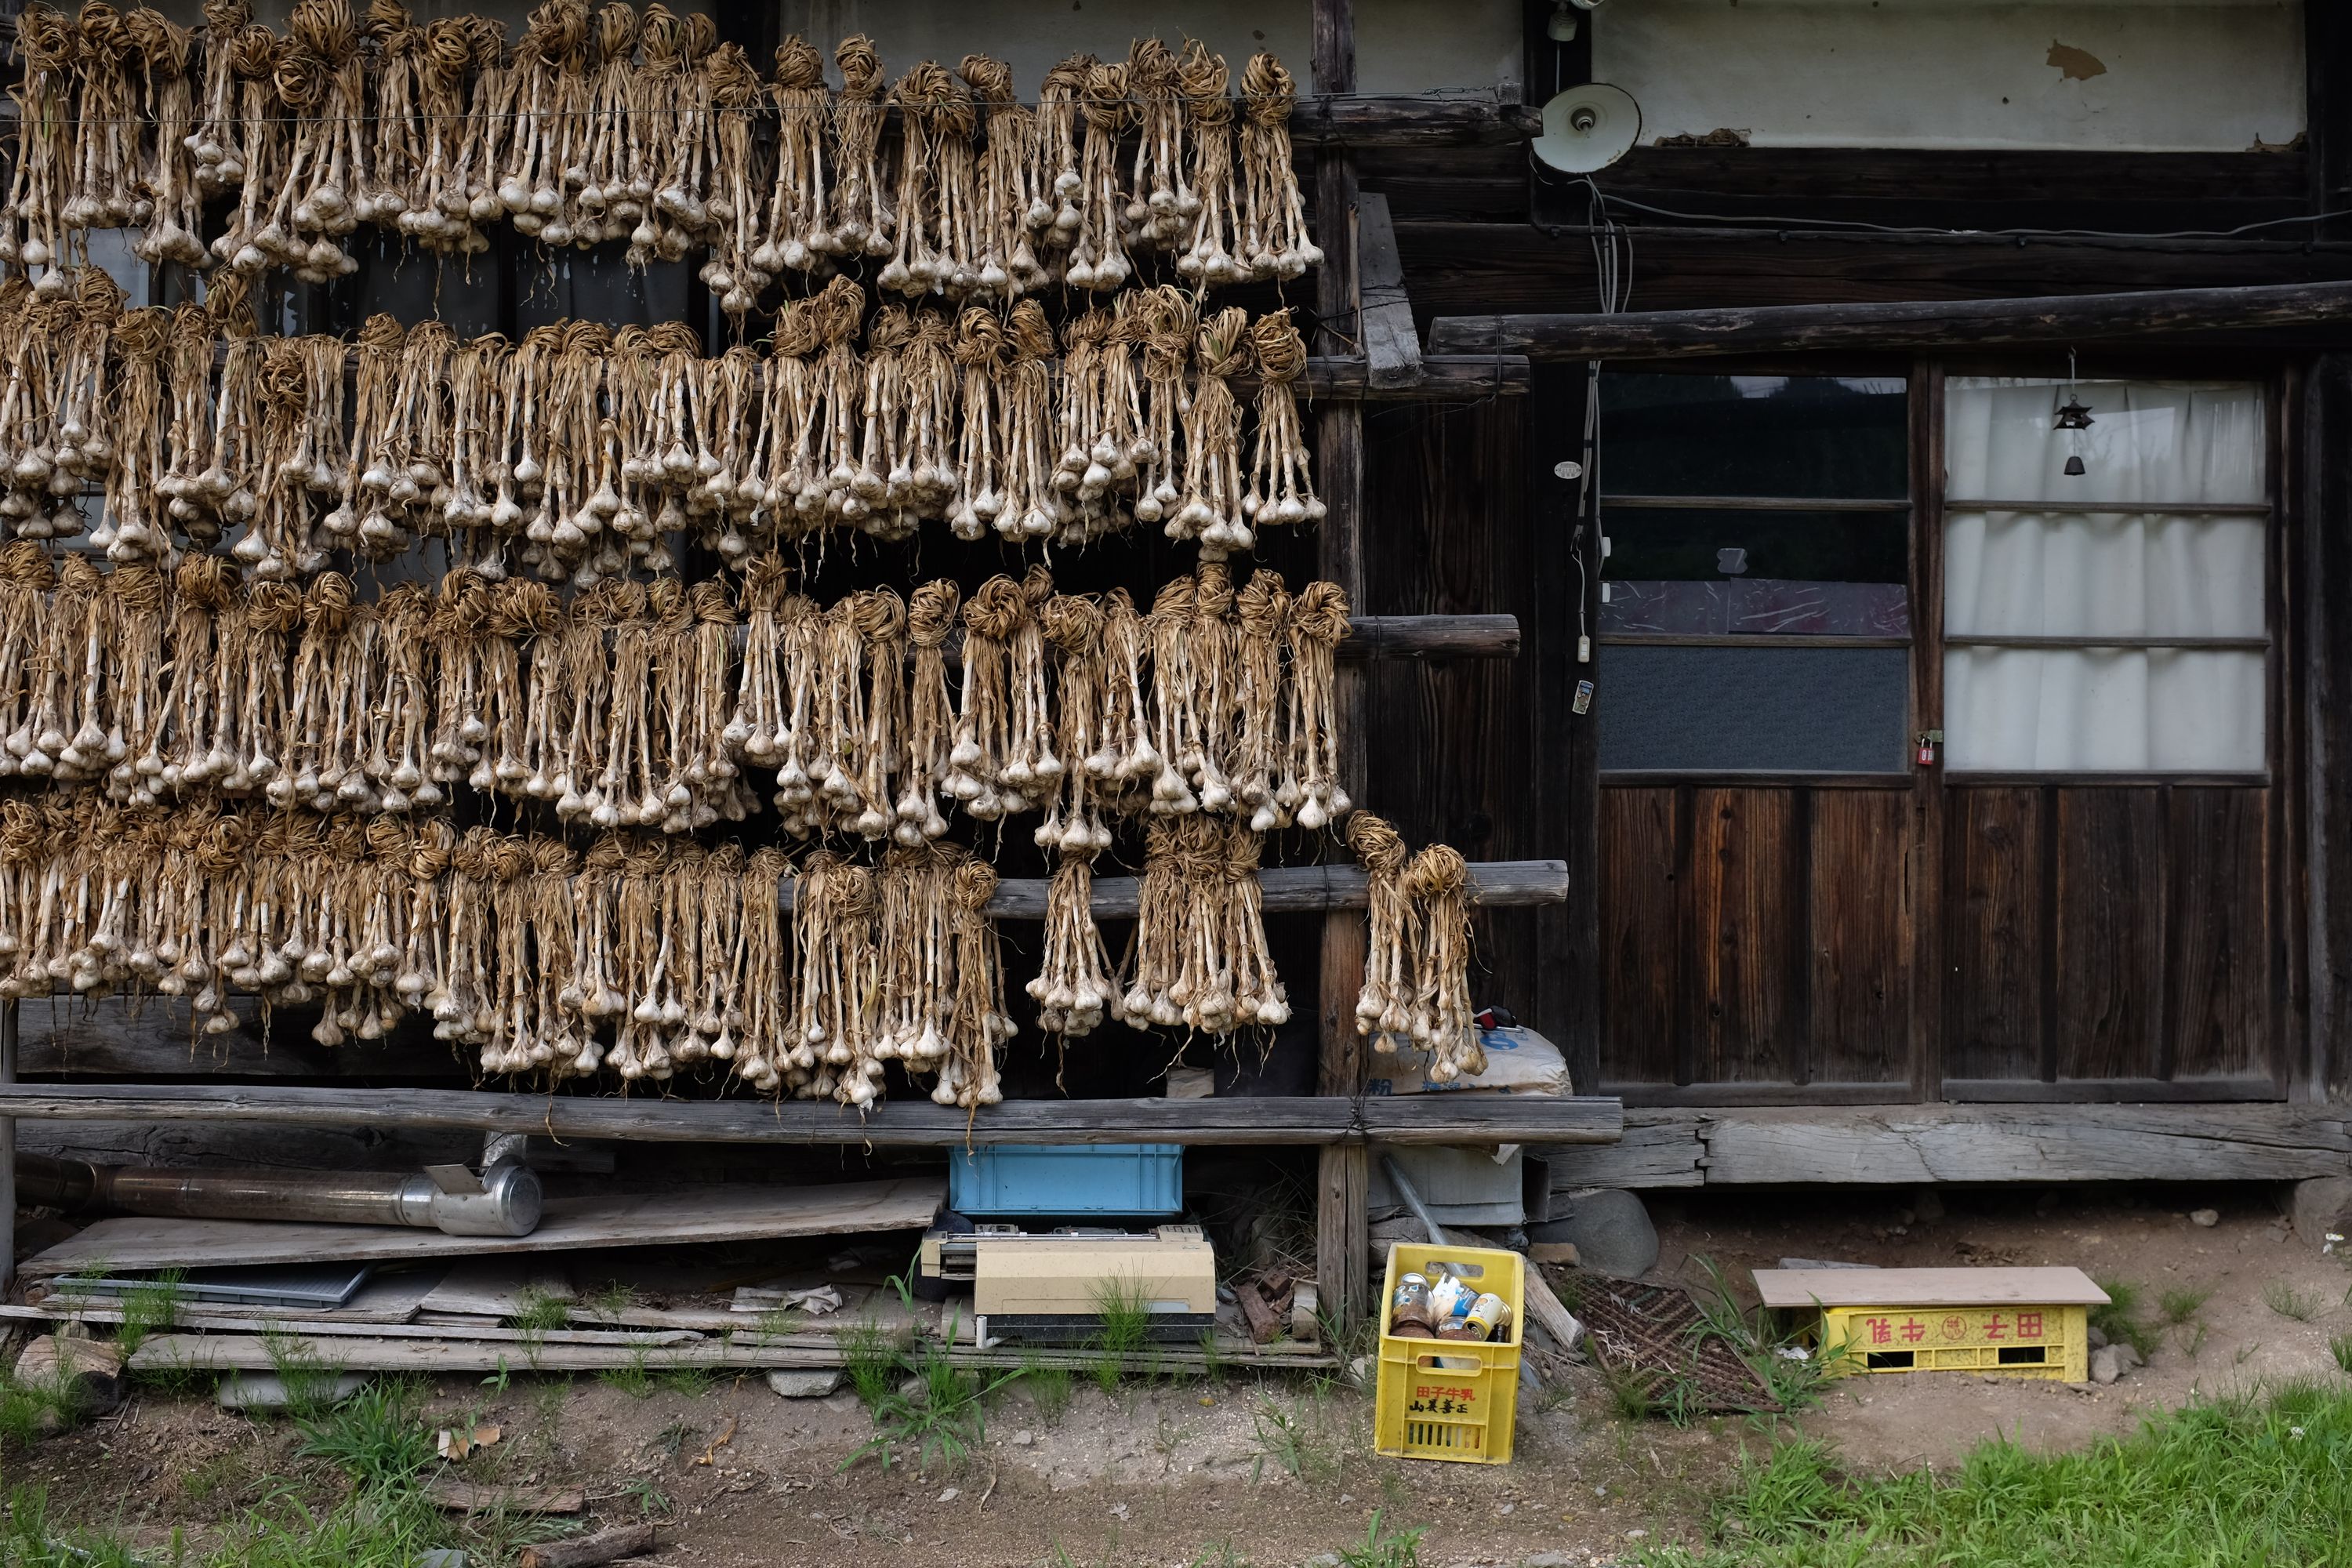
x=2011, y=1322
x=1451, y=1399
x=2046, y=1340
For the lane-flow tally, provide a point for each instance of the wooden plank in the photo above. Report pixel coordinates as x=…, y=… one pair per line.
x=241, y=1353
x=1392, y=346
x=386, y=1298
x=1861, y=912
x=154, y=1036
x=1659, y=1149
x=1870, y=327
x=2109, y=938
x=740, y=1213
x=1431, y=637
x=1985, y=188
x=1892, y=1145
x=2322, y=578
x=2218, y=980
x=1324, y=121
x=1745, y=1020
x=1640, y=956
x=1444, y=378
x=1342, y=1257
x=1477, y=270
x=1433, y=1119
x=1289, y=890
x=1800, y=1288
x=488, y=1332
x=1993, y=933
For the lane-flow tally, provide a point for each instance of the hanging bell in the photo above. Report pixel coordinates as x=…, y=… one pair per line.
x=2075, y=469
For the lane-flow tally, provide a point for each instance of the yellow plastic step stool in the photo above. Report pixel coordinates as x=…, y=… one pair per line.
x=2012, y=1323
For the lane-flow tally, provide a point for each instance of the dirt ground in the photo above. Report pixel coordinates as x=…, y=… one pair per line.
x=1279, y=1471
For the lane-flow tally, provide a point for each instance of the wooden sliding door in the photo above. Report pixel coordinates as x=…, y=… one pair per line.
x=2067, y=595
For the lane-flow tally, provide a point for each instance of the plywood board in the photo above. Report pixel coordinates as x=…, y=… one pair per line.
x=385, y=1298
x=499, y=1286
x=1802, y=1287
x=743, y=1213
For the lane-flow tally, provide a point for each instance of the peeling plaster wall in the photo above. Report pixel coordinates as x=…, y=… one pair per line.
x=2127, y=75
x=1402, y=45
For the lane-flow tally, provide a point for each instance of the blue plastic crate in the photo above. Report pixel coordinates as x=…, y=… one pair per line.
x=1067, y=1179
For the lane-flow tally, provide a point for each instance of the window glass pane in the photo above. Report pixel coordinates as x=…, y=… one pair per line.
x=2164, y=443
x=2102, y=710
x=1836, y=437
x=1723, y=571
x=1767, y=710
x=2102, y=575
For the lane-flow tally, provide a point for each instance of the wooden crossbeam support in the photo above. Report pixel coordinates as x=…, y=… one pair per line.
x=1444, y=378
x=1392, y=347
x=1323, y=122
x=1911, y=324
x=1326, y=1120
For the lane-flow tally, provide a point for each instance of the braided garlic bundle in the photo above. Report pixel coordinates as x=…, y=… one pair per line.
x=1098, y=258
x=1272, y=237
x=839, y=988
x=170, y=202
x=795, y=238
x=1005, y=260
x=1211, y=510
x=1199, y=957
x=1280, y=490
x=1440, y=1015
x=1390, y=947
x=863, y=222
x=1310, y=785
x=34, y=234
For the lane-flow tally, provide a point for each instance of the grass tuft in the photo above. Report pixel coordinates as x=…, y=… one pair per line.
x=1380, y=1549
x=147, y=1308
x=1048, y=1386
x=943, y=1419
x=2340, y=1347
x=2175, y=1308
x=377, y=1436
x=2289, y=1303
x=1125, y=1310
x=2240, y=1480
x=2120, y=1319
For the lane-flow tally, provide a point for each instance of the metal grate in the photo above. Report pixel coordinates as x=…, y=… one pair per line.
x=1655, y=1338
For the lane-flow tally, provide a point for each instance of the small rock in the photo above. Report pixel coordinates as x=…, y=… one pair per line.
x=2104, y=1367
x=813, y=1383
x=2208, y=1219
x=1324, y=1560
x=1507, y=1508
x=1734, y=1525
x=1024, y=1438
x=2081, y=1388
x=2097, y=1338
x=951, y=1495
x=2127, y=1356
x=842, y=1403
x=441, y=1557
x=1548, y=1559
x=267, y=1390
x=1637, y=1535
x=911, y=1389
x=1360, y=1371
x=1118, y=1512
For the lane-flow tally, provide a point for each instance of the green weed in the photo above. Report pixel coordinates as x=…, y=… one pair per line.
x=28, y=1408
x=631, y=1377
x=944, y=1418
x=309, y=1381
x=1048, y=1386
x=377, y=1436
x=2231, y=1481
x=1384, y=1549
x=2120, y=1321
x=1306, y=1451
x=693, y=1381
x=147, y=1308
x=2340, y=1347
x=872, y=1362
x=2175, y=1308
x=542, y=1311
x=2289, y=1303
x=1124, y=1331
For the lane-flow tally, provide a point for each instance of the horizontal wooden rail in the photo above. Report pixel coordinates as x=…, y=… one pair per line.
x=1427, y=1119
x=1444, y=378
x=1293, y=890
x=1370, y=121
x=1909, y=324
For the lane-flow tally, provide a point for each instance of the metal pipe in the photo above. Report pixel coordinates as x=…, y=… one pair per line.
x=505, y=1200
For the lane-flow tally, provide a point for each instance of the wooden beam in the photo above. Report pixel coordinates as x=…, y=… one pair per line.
x=1392, y=346
x=1328, y=120
x=1431, y=637
x=1444, y=378
x=1782, y=329
x=7, y=1148
x=1894, y=1145
x=1482, y=269
x=1320, y=1119
x=1342, y=1241
x=1293, y=890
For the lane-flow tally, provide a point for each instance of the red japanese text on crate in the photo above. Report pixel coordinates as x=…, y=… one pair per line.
x=1953, y=1329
